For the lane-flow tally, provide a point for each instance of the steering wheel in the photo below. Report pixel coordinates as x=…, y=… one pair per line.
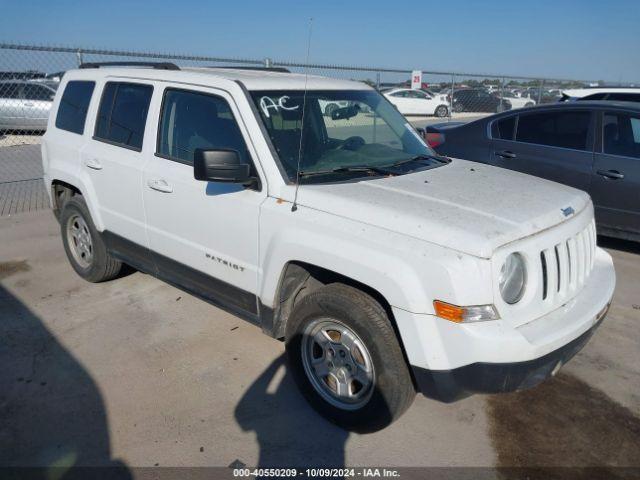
x=352, y=143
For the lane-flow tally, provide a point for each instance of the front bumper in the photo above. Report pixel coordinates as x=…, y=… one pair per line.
x=452, y=385
x=451, y=360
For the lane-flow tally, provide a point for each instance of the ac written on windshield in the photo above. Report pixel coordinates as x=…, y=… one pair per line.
x=341, y=129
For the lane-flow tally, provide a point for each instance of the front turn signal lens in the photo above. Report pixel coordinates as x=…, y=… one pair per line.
x=456, y=314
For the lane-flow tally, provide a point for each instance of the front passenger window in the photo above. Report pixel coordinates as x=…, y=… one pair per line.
x=621, y=135
x=192, y=120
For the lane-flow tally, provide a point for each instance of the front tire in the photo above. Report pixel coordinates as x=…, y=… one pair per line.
x=346, y=359
x=83, y=243
x=329, y=109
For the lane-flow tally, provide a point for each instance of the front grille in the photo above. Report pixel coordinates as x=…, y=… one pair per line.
x=566, y=266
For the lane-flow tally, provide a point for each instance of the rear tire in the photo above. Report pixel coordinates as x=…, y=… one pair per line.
x=458, y=107
x=83, y=243
x=442, y=111
x=339, y=339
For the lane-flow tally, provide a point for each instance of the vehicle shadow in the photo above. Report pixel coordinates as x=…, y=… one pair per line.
x=619, y=244
x=289, y=432
x=52, y=415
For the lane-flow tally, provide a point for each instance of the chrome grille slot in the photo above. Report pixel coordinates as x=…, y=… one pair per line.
x=558, y=270
x=545, y=281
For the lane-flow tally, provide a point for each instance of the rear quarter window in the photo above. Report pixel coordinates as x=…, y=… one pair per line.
x=74, y=104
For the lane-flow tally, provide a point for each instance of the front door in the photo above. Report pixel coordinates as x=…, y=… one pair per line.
x=203, y=235
x=615, y=187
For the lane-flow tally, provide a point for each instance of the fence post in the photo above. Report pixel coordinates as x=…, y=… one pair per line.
x=540, y=91
x=79, y=57
x=378, y=81
x=502, y=93
x=453, y=86
x=268, y=63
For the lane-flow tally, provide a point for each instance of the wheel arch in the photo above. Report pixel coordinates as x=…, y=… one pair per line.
x=62, y=187
x=299, y=278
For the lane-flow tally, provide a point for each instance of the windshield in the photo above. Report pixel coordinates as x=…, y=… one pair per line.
x=342, y=129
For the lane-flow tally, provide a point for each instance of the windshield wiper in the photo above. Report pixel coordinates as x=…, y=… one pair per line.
x=349, y=169
x=416, y=158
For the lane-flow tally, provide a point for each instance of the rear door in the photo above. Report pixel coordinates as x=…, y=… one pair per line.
x=615, y=187
x=554, y=144
x=11, y=114
x=36, y=103
x=114, y=161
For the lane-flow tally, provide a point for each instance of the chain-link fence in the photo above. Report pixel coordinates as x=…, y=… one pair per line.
x=30, y=74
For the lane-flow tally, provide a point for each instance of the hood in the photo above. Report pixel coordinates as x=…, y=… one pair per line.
x=470, y=207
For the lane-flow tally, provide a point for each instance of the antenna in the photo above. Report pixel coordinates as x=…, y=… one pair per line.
x=294, y=207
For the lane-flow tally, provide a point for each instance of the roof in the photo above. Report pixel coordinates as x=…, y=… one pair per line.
x=252, y=79
x=587, y=104
x=582, y=92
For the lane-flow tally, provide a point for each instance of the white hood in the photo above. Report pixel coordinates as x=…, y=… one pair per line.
x=467, y=206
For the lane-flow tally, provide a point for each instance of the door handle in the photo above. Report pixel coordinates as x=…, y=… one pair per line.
x=506, y=154
x=611, y=174
x=93, y=163
x=28, y=104
x=160, y=185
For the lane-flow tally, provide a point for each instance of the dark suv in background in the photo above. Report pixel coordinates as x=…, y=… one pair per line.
x=590, y=145
x=478, y=100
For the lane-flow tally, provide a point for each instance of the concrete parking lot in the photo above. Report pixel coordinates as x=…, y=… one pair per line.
x=134, y=372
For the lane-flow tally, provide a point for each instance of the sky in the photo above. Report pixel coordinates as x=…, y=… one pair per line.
x=586, y=40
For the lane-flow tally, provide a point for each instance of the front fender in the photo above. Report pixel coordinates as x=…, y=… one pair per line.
x=409, y=273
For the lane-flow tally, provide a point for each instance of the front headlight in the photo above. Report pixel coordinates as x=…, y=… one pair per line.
x=513, y=278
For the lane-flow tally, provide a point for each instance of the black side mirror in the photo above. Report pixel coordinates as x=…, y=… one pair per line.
x=221, y=166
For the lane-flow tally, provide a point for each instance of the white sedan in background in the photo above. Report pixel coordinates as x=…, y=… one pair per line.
x=417, y=102
x=517, y=102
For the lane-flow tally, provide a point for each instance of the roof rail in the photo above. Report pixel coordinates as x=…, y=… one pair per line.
x=265, y=69
x=156, y=65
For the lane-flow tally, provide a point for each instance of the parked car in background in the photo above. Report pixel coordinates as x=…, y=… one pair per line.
x=25, y=105
x=328, y=107
x=418, y=102
x=602, y=93
x=593, y=146
x=516, y=102
x=478, y=100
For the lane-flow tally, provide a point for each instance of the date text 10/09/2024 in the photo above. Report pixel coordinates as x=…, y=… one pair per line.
x=317, y=472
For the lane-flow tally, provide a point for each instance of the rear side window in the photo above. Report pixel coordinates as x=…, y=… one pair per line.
x=555, y=129
x=624, y=97
x=10, y=90
x=123, y=114
x=192, y=120
x=505, y=128
x=72, y=111
x=594, y=96
x=37, y=92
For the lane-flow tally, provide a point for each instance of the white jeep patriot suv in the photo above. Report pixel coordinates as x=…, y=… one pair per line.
x=385, y=268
